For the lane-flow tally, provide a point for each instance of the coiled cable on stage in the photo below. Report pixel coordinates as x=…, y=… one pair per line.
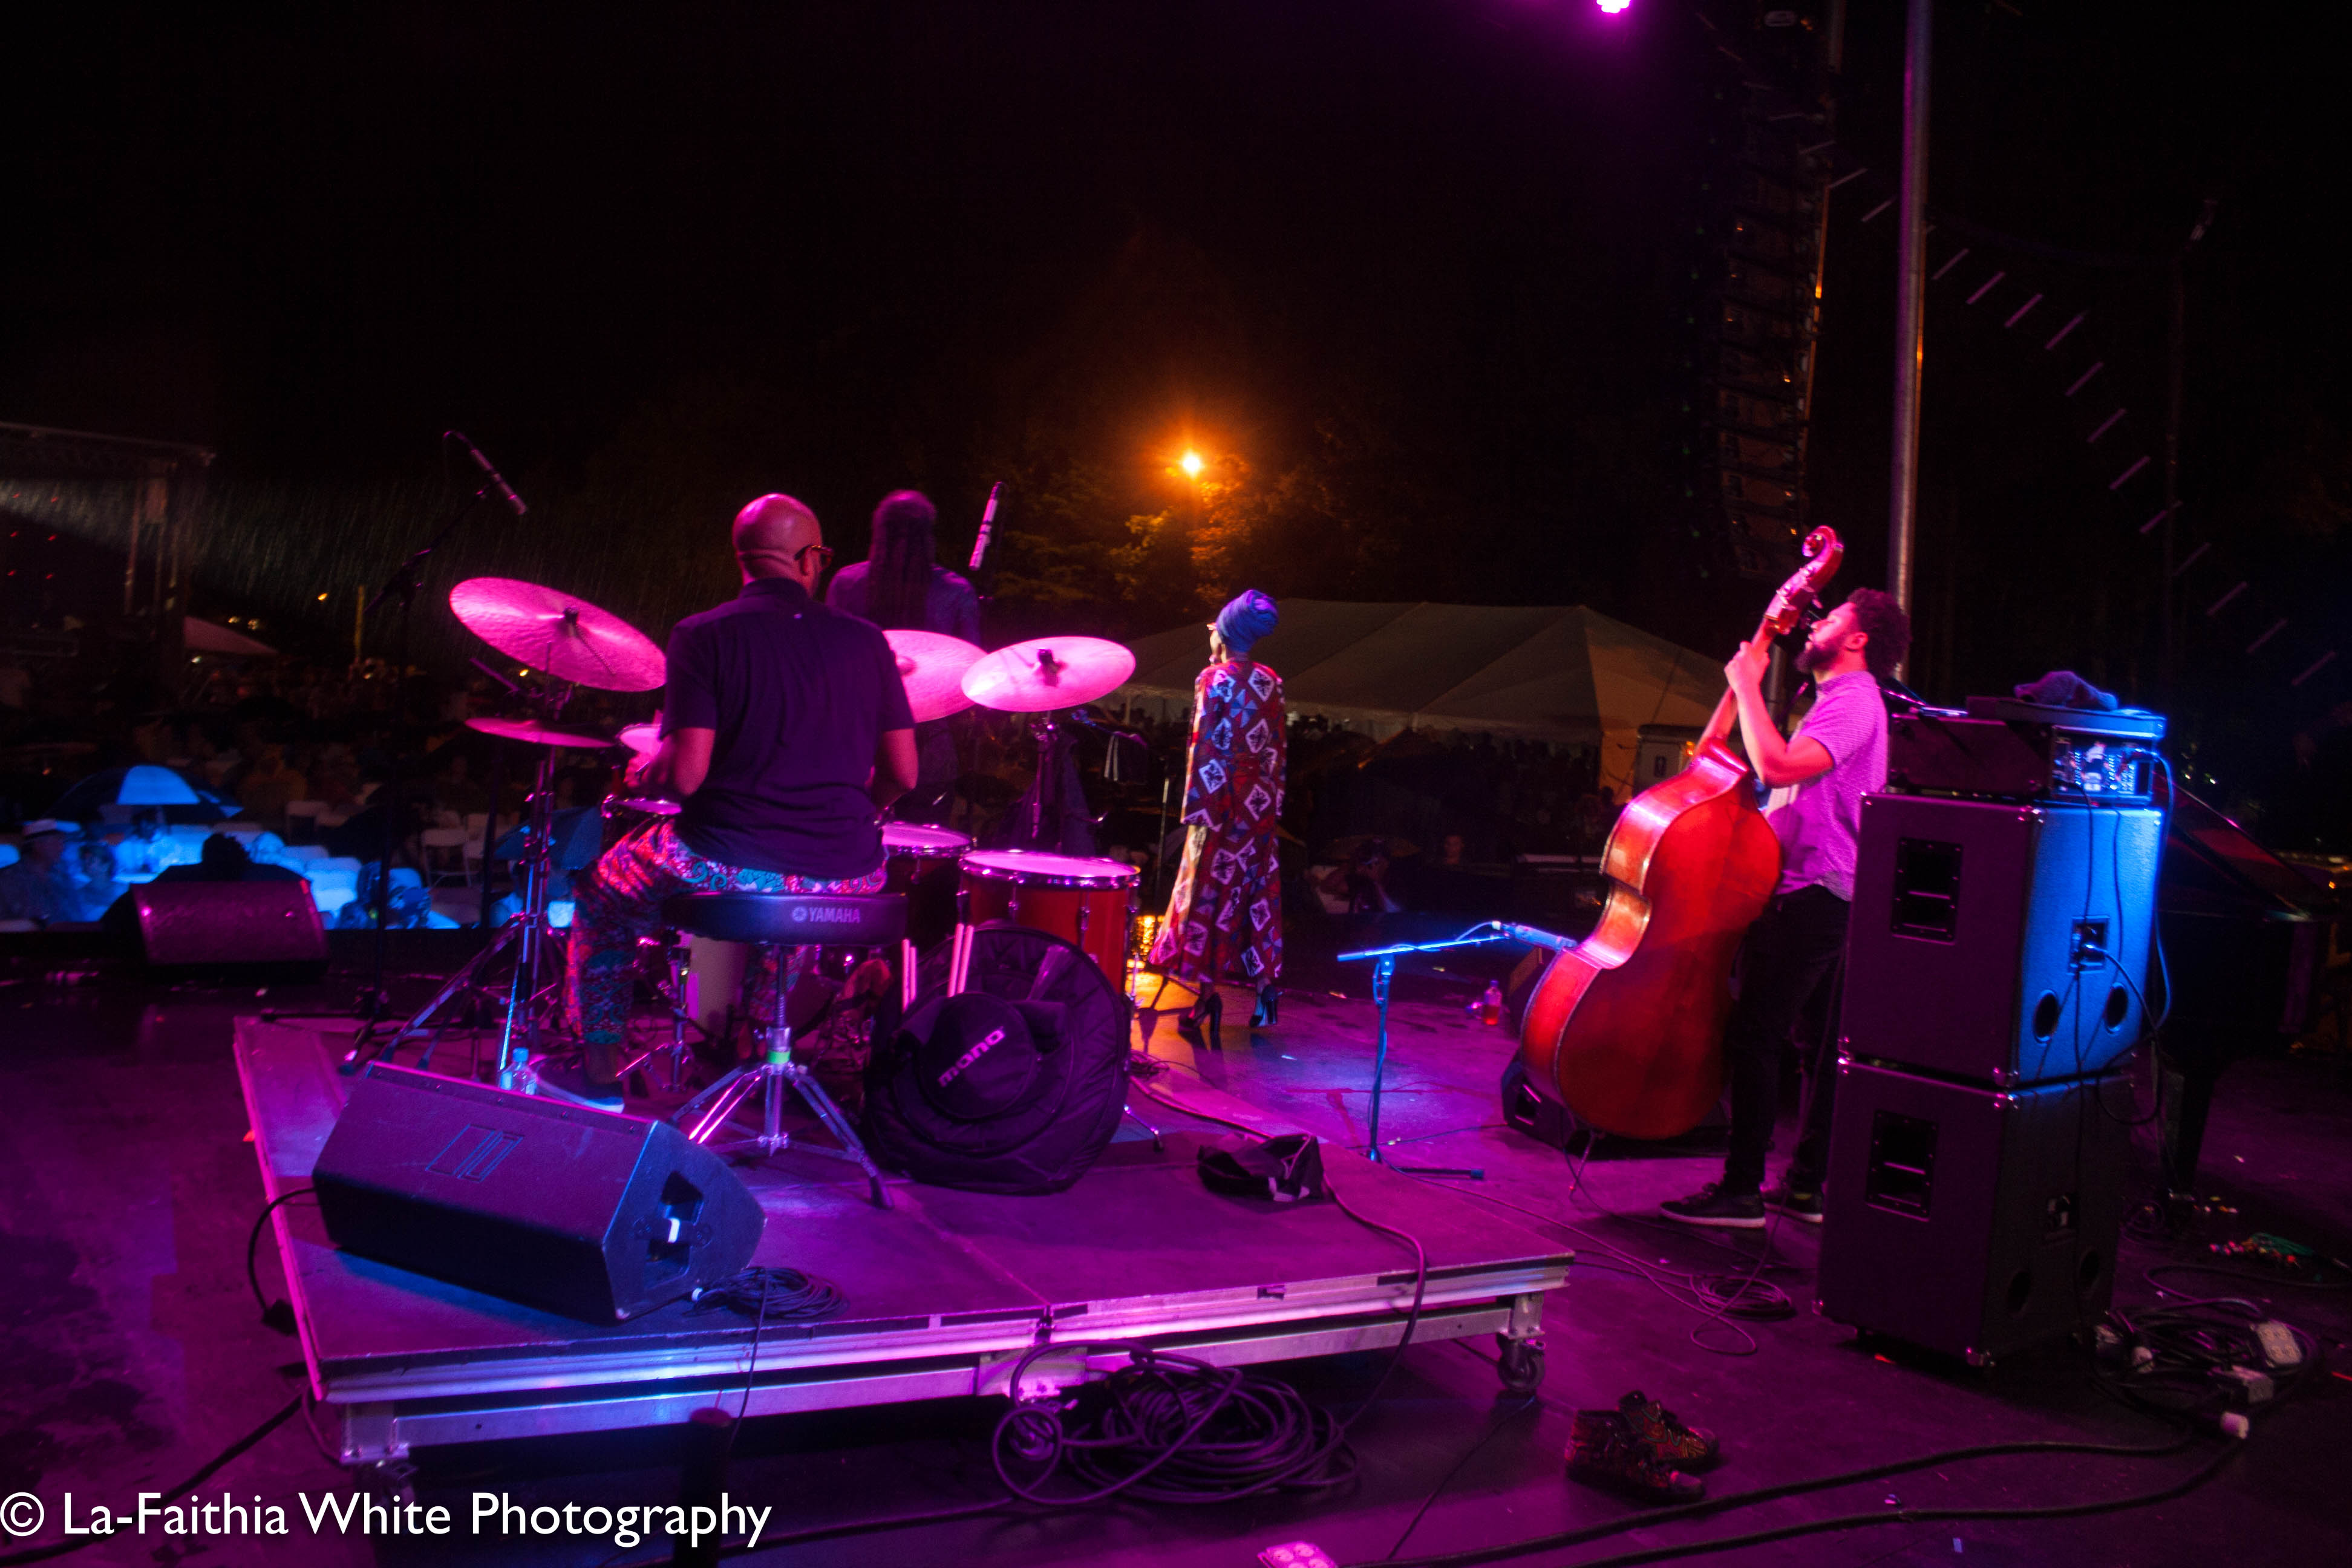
x=770, y=1295
x=1165, y=1428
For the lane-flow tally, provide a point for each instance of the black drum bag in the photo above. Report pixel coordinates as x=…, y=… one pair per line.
x=1017, y=1085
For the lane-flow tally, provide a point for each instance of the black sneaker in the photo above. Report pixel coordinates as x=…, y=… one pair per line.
x=1711, y=1206
x=1795, y=1201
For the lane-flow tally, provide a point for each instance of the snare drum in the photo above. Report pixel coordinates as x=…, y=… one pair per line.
x=1081, y=901
x=922, y=865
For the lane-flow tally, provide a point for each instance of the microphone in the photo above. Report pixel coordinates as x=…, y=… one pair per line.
x=987, y=521
x=498, y=480
x=1533, y=937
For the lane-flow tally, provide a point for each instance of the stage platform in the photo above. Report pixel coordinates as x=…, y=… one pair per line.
x=945, y=1290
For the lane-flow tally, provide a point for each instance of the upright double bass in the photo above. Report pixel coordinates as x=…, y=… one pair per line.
x=1627, y=1024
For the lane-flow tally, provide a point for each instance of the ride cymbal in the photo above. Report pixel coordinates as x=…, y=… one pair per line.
x=1046, y=673
x=537, y=733
x=567, y=637
x=932, y=666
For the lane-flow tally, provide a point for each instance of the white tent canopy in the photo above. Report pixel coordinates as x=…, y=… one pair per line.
x=1565, y=673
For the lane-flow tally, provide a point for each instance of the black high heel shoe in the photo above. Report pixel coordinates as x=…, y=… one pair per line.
x=1207, y=1014
x=1268, y=1007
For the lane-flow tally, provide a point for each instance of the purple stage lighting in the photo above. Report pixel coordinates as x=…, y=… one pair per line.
x=1614, y=7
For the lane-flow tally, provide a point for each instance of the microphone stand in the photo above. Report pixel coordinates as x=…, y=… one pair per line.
x=1384, y=960
x=403, y=584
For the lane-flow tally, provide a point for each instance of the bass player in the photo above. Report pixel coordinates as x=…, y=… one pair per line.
x=1791, y=957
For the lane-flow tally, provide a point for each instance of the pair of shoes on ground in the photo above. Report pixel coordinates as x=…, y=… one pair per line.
x=1712, y=1206
x=1642, y=1449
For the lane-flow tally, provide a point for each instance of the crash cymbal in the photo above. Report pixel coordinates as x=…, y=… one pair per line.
x=642, y=739
x=569, y=638
x=932, y=665
x=1047, y=672
x=537, y=733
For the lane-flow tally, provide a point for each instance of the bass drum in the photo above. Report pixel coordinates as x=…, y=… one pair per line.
x=1015, y=1086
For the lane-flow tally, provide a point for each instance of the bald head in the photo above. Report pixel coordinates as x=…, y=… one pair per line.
x=772, y=539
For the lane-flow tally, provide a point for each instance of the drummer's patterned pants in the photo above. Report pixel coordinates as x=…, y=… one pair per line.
x=619, y=904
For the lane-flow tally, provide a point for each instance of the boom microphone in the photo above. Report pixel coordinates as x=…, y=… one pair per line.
x=1533, y=937
x=498, y=480
x=987, y=521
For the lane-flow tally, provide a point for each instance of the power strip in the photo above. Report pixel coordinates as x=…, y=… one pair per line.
x=2280, y=1347
x=1297, y=1555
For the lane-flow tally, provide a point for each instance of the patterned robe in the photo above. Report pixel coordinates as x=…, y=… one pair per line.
x=1225, y=916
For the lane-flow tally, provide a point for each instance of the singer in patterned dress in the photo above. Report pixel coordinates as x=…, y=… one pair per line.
x=1225, y=918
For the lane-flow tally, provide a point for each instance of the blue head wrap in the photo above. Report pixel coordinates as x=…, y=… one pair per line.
x=1248, y=618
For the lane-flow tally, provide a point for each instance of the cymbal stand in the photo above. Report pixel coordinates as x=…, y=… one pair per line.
x=528, y=933
x=403, y=586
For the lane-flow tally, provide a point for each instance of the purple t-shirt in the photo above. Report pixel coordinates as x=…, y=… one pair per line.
x=1819, y=823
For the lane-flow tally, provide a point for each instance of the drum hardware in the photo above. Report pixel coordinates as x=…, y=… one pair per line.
x=570, y=643
x=674, y=955
x=782, y=922
x=403, y=584
x=521, y=1054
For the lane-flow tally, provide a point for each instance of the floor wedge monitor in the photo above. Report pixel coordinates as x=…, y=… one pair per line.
x=596, y=1215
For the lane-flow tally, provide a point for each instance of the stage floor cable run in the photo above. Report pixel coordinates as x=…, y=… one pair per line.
x=945, y=1290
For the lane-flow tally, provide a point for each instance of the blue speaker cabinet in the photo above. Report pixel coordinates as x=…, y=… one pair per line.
x=2002, y=942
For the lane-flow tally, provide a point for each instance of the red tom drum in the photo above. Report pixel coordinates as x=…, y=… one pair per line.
x=1085, y=901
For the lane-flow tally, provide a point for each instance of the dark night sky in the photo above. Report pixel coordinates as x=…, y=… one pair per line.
x=703, y=251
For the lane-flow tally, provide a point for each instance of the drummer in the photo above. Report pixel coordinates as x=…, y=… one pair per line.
x=901, y=586
x=784, y=727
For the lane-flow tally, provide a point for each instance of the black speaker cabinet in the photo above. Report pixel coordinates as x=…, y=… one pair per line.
x=1972, y=1220
x=2001, y=941
x=594, y=1215
x=225, y=925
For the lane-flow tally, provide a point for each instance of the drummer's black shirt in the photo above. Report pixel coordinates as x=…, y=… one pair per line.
x=800, y=696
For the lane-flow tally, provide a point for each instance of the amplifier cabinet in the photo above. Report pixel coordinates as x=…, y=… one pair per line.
x=1970, y=1220
x=2002, y=942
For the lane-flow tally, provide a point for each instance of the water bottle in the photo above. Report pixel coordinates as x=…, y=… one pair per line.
x=1490, y=1005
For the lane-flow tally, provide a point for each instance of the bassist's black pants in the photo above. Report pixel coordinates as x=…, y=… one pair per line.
x=1790, y=959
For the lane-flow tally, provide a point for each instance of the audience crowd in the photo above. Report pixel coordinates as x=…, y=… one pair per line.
x=298, y=759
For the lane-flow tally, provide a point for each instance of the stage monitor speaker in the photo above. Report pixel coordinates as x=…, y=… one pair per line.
x=248, y=926
x=1972, y=1220
x=1999, y=942
x=594, y=1215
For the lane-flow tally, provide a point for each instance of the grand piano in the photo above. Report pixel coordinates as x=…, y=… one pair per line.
x=2245, y=946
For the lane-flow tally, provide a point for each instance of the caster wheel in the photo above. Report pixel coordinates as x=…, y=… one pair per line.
x=1522, y=1365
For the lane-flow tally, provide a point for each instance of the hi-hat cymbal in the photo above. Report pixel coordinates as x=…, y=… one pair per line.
x=932, y=665
x=569, y=638
x=642, y=739
x=537, y=733
x=1047, y=673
